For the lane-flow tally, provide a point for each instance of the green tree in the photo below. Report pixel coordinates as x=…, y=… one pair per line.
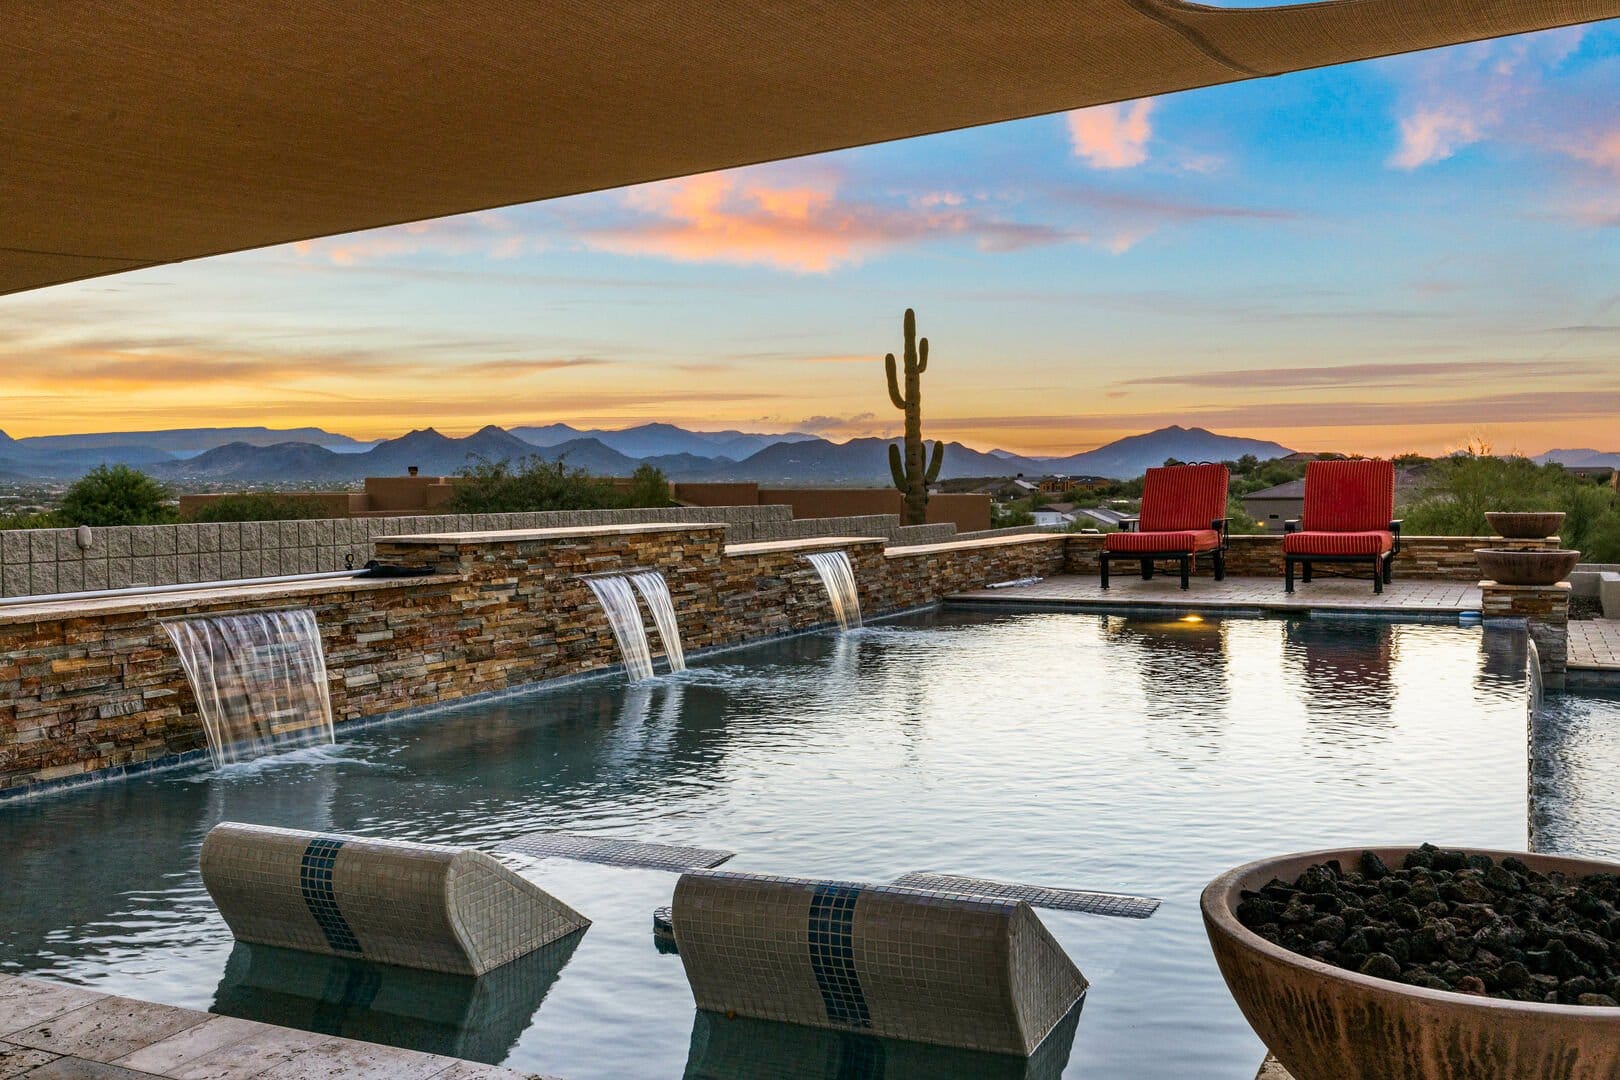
x=648, y=487
x=115, y=495
x=259, y=506
x=499, y=487
x=1461, y=488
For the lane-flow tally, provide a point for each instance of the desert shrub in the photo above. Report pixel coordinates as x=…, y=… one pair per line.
x=648, y=487
x=260, y=506
x=1461, y=489
x=115, y=495
x=533, y=485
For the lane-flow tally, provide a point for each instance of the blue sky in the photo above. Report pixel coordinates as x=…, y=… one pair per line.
x=1405, y=254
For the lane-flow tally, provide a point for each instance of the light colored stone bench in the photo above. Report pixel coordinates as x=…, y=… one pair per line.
x=948, y=969
x=416, y=905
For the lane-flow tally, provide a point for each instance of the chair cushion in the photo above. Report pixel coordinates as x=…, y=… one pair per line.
x=1338, y=543
x=1348, y=496
x=1182, y=497
x=1188, y=540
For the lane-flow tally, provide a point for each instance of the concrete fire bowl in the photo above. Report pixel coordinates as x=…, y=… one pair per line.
x=1526, y=567
x=1525, y=524
x=1325, y=1023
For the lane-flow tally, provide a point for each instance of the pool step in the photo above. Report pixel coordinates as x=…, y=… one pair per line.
x=598, y=849
x=1041, y=896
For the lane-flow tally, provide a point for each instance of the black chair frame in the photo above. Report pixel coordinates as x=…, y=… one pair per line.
x=1383, y=566
x=1184, y=558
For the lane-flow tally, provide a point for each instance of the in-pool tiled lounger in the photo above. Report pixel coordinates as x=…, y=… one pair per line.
x=446, y=909
x=971, y=972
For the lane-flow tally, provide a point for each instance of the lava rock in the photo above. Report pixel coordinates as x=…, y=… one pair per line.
x=1452, y=920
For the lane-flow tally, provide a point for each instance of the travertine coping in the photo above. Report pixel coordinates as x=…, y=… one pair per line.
x=511, y=536
x=155, y=603
x=982, y=542
x=68, y=1031
x=809, y=543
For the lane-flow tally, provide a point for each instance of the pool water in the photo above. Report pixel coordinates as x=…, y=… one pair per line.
x=1117, y=753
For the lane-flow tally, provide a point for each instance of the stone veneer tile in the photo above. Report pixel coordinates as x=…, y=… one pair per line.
x=41, y=545
x=186, y=539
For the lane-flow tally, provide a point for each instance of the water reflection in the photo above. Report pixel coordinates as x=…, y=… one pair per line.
x=1188, y=654
x=744, y=1049
x=479, y=1019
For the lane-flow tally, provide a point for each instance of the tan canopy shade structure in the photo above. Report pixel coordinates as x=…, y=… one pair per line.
x=140, y=132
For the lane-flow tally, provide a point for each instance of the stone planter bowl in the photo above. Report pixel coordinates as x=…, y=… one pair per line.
x=1526, y=567
x=1525, y=525
x=1325, y=1023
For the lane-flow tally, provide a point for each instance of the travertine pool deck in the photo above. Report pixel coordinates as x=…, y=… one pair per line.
x=48, y=1030
x=1235, y=594
x=1594, y=654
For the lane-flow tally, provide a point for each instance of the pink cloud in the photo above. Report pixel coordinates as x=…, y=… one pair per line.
x=801, y=225
x=1112, y=136
x=1461, y=96
x=1435, y=133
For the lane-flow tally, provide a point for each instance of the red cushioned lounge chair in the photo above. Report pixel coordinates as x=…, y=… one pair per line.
x=1183, y=516
x=1349, y=518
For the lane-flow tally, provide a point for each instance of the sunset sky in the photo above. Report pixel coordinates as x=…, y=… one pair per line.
x=1399, y=255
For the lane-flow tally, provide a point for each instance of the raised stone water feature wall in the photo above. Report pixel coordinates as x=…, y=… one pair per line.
x=91, y=688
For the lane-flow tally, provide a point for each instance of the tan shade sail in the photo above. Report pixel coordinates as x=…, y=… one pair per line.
x=137, y=132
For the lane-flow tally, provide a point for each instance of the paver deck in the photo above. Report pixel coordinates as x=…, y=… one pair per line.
x=51, y=1030
x=1595, y=644
x=1244, y=594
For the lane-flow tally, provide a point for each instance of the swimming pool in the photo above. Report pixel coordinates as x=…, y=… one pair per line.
x=1138, y=754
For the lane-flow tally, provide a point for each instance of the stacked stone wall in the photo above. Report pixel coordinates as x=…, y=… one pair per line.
x=1421, y=558
x=92, y=687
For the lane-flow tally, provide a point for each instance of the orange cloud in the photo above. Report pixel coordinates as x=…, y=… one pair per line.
x=805, y=227
x=1112, y=136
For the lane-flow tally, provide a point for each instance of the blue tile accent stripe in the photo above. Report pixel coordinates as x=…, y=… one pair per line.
x=315, y=882
x=832, y=954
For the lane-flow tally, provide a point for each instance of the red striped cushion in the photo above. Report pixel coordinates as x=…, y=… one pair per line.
x=1188, y=540
x=1178, y=497
x=1338, y=543
x=1349, y=496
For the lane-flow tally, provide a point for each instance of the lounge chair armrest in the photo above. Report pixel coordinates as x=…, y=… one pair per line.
x=1395, y=526
x=1395, y=534
x=1291, y=525
x=1129, y=524
x=1220, y=526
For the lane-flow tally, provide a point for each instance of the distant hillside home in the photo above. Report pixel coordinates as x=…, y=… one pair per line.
x=1273, y=506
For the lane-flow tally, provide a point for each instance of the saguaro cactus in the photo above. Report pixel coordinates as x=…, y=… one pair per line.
x=910, y=477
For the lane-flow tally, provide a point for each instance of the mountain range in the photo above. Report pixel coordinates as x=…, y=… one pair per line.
x=257, y=455
x=1581, y=458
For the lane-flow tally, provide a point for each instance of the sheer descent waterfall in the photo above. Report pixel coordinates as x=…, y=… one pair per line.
x=655, y=591
x=619, y=601
x=839, y=578
x=259, y=680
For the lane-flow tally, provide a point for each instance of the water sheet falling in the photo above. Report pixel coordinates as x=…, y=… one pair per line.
x=655, y=591
x=839, y=578
x=259, y=680
x=618, y=599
